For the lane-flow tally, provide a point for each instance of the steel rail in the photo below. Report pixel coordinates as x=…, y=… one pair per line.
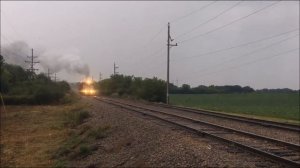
x=293, y=147
x=285, y=126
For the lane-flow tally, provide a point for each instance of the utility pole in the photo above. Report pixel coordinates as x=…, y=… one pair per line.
x=48, y=74
x=32, y=62
x=100, y=76
x=115, y=69
x=55, y=77
x=169, y=45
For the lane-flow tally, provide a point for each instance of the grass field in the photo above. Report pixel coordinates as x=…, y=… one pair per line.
x=31, y=135
x=270, y=105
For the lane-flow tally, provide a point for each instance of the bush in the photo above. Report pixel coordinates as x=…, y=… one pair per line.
x=70, y=97
x=148, y=89
x=19, y=87
x=84, y=150
x=60, y=164
x=99, y=133
x=46, y=95
x=19, y=100
x=68, y=147
x=76, y=118
x=82, y=115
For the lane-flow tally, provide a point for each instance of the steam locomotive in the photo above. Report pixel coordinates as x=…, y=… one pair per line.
x=87, y=87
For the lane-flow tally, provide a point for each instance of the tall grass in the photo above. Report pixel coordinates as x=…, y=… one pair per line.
x=75, y=117
x=276, y=105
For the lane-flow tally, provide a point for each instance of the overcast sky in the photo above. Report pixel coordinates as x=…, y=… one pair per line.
x=134, y=35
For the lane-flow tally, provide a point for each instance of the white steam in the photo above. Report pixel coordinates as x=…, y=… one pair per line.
x=68, y=62
x=17, y=52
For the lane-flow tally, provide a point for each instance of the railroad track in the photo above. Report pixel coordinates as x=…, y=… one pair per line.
x=284, y=126
x=283, y=152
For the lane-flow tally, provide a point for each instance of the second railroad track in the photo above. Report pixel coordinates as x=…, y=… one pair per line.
x=284, y=152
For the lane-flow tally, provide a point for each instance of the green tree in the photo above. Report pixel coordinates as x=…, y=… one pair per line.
x=186, y=88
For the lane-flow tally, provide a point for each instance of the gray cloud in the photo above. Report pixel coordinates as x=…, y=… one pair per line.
x=121, y=32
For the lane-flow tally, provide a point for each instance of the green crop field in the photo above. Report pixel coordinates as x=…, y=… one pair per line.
x=270, y=105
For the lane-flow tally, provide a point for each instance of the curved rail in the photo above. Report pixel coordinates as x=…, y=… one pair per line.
x=281, y=151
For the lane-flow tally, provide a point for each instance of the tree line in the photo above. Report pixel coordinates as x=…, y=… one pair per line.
x=283, y=90
x=201, y=89
x=19, y=86
x=154, y=89
x=134, y=87
x=212, y=89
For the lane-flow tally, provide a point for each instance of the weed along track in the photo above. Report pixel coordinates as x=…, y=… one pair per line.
x=283, y=152
x=259, y=127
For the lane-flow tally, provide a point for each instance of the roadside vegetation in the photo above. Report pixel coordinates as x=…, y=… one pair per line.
x=134, y=87
x=81, y=140
x=47, y=136
x=22, y=87
x=266, y=104
x=42, y=123
x=30, y=135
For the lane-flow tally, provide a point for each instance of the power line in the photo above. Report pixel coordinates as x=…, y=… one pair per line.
x=251, y=62
x=209, y=20
x=146, y=44
x=195, y=11
x=234, y=21
x=9, y=41
x=157, y=51
x=163, y=28
x=240, y=45
x=250, y=53
x=153, y=37
x=224, y=49
x=149, y=56
x=156, y=65
x=156, y=35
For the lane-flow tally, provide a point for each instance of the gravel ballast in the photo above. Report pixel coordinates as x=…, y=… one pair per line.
x=283, y=135
x=135, y=140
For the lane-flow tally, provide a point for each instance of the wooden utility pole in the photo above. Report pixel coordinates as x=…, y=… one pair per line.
x=48, y=74
x=115, y=69
x=168, y=60
x=100, y=76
